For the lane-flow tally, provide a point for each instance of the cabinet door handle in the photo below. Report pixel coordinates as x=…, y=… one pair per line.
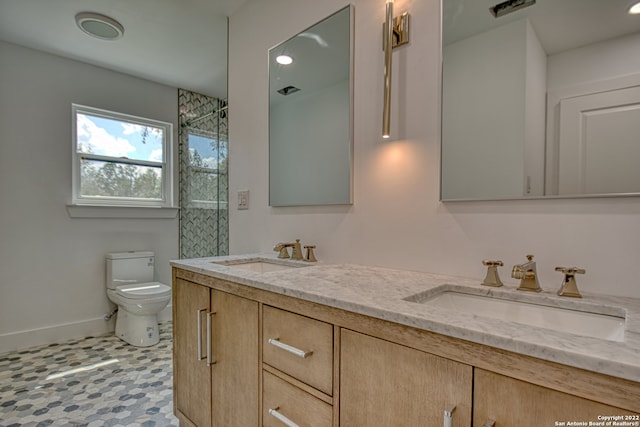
x=284, y=420
x=448, y=415
x=209, y=340
x=199, y=330
x=295, y=351
x=489, y=423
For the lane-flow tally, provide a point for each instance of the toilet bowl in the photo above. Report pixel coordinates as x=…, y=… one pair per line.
x=139, y=299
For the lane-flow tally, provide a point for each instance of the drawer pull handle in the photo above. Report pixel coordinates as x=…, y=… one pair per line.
x=448, y=415
x=295, y=351
x=284, y=420
x=199, y=330
x=489, y=423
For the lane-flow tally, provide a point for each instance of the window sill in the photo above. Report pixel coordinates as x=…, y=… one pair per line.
x=130, y=212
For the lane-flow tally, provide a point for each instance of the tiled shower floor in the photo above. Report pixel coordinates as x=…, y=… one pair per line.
x=124, y=385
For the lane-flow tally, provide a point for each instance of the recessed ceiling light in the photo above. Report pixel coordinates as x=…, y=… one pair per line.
x=634, y=9
x=99, y=26
x=284, y=59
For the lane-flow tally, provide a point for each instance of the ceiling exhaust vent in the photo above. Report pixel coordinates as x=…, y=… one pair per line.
x=288, y=90
x=509, y=6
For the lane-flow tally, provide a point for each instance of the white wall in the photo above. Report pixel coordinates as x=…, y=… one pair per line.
x=595, y=62
x=52, y=276
x=535, y=113
x=311, y=160
x=396, y=219
x=484, y=100
x=494, y=114
x=599, y=67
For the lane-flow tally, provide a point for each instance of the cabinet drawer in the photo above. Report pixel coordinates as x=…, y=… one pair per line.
x=293, y=404
x=286, y=336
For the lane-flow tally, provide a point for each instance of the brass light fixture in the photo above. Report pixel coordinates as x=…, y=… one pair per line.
x=395, y=33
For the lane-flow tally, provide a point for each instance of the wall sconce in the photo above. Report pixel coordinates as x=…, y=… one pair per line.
x=395, y=33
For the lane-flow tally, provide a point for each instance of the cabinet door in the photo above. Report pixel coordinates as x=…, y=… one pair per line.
x=235, y=369
x=386, y=384
x=192, y=377
x=510, y=402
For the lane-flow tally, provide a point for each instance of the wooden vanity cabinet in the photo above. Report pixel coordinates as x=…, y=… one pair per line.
x=511, y=402
x=362, y=372
x=223, y=391
x=386, y=384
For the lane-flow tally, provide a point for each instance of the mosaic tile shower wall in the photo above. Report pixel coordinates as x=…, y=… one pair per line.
x=203, y=148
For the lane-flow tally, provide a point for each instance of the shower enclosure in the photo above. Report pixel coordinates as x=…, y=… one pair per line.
x=203, y=149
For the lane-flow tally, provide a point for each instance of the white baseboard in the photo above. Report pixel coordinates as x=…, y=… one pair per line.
x=60, y=333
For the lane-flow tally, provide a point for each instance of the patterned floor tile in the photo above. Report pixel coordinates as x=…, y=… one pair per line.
x=93, y=382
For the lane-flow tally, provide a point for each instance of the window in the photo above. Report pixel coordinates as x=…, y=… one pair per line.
x=120, y=160
x=207, y=167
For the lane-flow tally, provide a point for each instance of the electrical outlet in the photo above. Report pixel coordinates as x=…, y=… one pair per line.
x=243, y=199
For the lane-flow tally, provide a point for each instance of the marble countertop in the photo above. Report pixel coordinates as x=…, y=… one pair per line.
x=382, y=293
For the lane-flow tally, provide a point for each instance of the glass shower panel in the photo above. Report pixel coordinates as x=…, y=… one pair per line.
x=204, y=228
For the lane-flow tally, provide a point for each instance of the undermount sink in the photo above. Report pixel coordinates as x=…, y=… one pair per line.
x=258, y=266
x=575, y=320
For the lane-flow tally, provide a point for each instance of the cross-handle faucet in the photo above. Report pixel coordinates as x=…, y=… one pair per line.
x=527, y=275
x=569, y=286
x=492, y=278
x=310, y=257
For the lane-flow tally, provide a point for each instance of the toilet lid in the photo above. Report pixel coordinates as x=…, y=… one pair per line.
x=144, y=290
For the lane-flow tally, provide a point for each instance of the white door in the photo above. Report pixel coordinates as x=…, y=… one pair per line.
x=599, y=148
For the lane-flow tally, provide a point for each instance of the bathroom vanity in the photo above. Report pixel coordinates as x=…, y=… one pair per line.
x=263, y=341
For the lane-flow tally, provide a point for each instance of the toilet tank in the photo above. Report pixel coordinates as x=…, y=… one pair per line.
x=129, y=267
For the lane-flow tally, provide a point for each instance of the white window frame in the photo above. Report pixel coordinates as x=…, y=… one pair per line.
x=166, y=165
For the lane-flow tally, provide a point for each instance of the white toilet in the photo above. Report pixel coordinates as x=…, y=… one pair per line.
x=130, y=285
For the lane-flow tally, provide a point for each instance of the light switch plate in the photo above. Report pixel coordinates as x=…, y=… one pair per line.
x=243, y=200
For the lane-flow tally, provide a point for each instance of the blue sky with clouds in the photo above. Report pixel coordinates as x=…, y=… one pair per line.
x=115, y=138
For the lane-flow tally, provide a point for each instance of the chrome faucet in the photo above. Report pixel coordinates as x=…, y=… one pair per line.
x=527, y=275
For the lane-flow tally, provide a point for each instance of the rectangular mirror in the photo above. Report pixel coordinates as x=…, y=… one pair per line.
x=310, y=115
x=541, y=101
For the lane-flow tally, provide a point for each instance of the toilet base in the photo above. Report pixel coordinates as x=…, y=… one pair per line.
x=137, y=330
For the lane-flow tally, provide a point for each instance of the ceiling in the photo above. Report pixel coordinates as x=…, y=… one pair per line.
x=180, y=43
x=321, y=58
x=560, y=24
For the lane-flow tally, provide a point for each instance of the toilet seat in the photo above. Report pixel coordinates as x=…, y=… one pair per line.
x=144, y=290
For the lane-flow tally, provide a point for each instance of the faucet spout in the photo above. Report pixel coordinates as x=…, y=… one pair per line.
x=527, y=274
x=282, y=249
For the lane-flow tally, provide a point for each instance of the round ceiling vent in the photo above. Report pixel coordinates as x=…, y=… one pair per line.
x=99, y=26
